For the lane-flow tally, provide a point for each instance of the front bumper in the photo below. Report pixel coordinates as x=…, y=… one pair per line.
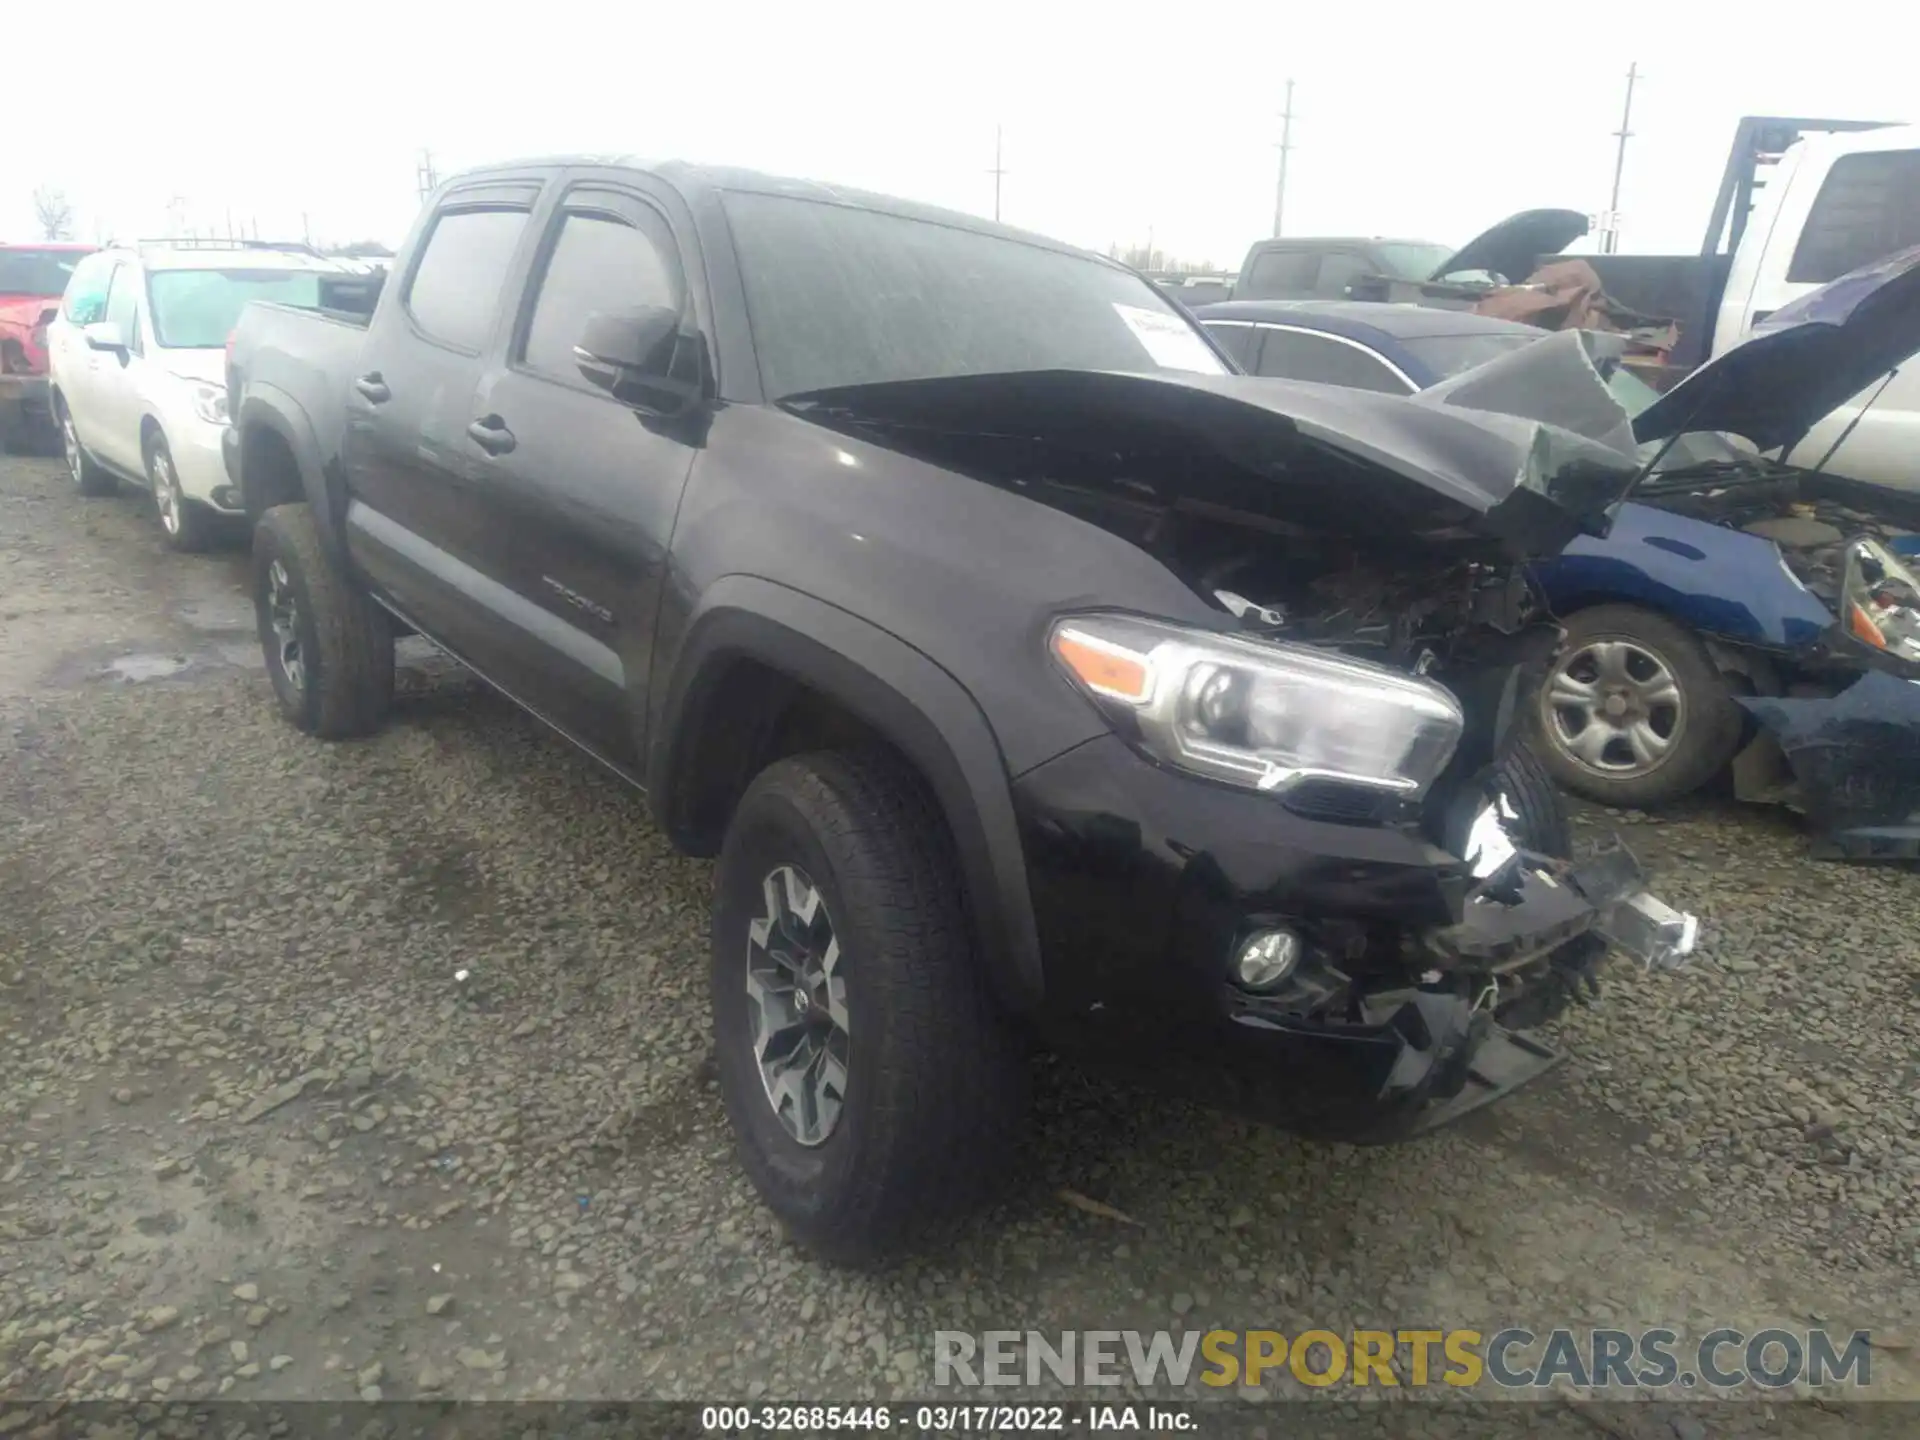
x=200, y=461
x=1146, y=881
x=1855, y=763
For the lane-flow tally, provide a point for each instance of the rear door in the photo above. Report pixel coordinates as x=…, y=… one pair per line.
x=586, y=486
x=415, y=525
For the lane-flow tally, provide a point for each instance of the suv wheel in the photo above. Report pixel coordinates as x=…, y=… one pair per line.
x=328, y=647
x=187, y=525
x=88, y=478
x=1634, y=712
x=872, y=1085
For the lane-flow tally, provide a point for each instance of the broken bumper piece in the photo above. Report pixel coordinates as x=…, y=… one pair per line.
x=1855, y=763
x=1535, y=905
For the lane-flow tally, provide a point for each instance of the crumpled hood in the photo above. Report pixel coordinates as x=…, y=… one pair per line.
x=1510, y=248
x=1339, y=460
x=1806, y=360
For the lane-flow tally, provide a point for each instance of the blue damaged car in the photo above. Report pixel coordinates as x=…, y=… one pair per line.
x=1739, y=612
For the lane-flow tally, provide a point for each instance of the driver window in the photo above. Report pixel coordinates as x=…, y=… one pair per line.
x=598, y=262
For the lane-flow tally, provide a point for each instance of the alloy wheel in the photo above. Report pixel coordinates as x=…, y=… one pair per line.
x=1614, y=707
x=283, y=613
x=167, y=499
x=798, y=1006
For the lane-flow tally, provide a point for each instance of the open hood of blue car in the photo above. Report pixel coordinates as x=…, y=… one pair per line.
x=1803, y=362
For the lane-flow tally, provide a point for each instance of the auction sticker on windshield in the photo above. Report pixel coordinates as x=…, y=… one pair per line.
x=1169, y=341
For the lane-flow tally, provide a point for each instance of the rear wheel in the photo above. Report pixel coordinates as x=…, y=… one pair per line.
x=328, y=647
x=88, y=477
x=1634, y=713
x=872, y=1086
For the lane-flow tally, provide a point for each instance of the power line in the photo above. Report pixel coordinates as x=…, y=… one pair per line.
x=1623, y=134
x=1286, y=145
x=997, y=172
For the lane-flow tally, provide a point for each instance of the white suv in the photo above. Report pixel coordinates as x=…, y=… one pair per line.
x=137, y=358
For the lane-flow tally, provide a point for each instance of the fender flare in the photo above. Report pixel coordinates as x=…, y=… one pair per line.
x=257, y=410
x=904, y=696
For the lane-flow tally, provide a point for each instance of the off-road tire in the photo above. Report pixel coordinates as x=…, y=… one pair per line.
x=346, y=642
x=87, y=475
x=1710, y=731
x=1542, y=824
x=936, y=1079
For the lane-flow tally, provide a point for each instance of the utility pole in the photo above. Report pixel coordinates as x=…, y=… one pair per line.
x=425, y=176
x=1612, y=237
x=997, y=172
x=1286, y=144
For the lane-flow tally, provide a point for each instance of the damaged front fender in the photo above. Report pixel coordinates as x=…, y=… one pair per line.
x=1855, y=758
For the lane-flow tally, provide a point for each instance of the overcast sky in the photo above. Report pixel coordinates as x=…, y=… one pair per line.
x=1416, y=122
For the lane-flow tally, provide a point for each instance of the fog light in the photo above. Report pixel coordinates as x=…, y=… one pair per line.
x=1266, y=958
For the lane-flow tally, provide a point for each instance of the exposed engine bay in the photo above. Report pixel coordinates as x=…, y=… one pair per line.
x=1811, y=517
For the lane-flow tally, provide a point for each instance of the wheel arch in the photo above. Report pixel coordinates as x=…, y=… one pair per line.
x=750, y=653
x=280, y=465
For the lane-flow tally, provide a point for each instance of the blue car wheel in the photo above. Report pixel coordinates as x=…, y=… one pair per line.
x=1634, y=713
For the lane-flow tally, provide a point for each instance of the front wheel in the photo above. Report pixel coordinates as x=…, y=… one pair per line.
x=872, y=1086
x=1634, y=713
x=328, y=647
x=186, y=524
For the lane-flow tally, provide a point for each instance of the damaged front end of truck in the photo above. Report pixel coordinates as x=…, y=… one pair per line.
x=1311, y=866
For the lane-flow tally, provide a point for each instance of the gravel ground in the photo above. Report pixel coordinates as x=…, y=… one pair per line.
x=259, y=1138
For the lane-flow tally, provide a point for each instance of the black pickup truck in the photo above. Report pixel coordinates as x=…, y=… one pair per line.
x=1034, y=677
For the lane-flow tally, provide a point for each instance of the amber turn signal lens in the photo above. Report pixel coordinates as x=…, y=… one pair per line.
x=1105, y=669
x=1864, y=628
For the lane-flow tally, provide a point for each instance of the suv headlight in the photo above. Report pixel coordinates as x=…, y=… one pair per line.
x=1263, y=715
x=1881, y=598
x=210, y=402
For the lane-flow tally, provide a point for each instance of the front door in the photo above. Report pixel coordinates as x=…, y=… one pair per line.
x=113, y=427
x=581, y=488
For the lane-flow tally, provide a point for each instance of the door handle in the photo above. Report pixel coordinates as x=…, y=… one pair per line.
x=491, y=434
x=373, y=389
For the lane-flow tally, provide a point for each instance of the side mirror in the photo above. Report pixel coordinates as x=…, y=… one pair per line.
x=644, y=358
x=105, y=335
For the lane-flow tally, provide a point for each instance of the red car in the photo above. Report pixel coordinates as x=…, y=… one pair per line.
x=32, y=280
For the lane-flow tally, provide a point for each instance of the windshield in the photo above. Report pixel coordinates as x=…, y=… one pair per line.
x=37, y=272
x=197, y=309
x=1411, y=259
x=842, y=296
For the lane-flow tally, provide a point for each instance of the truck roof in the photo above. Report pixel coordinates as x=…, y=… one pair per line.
x=693, y=180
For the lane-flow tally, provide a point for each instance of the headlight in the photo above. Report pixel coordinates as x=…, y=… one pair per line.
x=1882, y=599
x=210, y=402
x=1262, y=715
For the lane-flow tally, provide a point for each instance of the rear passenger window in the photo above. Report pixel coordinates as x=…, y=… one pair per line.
x=598, y=262
x=1868, y=208
x=86, y=298
x=456, y=288
x=1237, y=338
x=1288, y=354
